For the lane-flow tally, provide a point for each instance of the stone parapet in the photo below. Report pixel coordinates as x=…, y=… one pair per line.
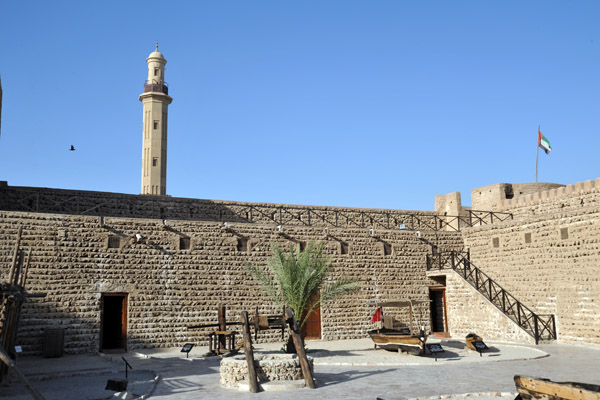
x=571, y=196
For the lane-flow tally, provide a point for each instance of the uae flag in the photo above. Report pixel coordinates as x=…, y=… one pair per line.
x=543, y=142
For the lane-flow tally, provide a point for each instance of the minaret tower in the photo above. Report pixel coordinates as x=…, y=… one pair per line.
x=156, y=101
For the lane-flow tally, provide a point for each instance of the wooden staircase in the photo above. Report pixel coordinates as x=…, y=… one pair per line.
x=542, y=327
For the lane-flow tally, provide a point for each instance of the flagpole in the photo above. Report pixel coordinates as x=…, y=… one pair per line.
x=537, y=151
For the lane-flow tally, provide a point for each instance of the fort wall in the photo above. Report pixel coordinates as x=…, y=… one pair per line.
x=470, y=312
x=491, y=197
x=581, y=194
x=170, y=287
x=548, y=256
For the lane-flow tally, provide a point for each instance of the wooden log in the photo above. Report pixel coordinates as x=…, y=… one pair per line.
x=299, y=344
x=11, y=364
x=15, y=256
x=222, y=327
x=538, y=388
x=252, y=377
x=212, y=325
x=24, y=276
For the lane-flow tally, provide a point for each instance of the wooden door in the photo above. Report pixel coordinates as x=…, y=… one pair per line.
x=439, y=318
x=113, y=322
x=312, y=327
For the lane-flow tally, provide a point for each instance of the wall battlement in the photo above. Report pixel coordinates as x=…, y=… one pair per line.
x=563, y=195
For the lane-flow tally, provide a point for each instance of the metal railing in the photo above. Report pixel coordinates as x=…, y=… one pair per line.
x=540, y=326
x=156, y=207
x=156, y=87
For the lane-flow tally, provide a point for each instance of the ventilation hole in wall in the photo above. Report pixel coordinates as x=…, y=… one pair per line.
x=302, y=245
x=564, y=233
x=387, y=249
x=496, y=242
x=184, y=243
x=528, y=238
x=114, y=242
x=242, y=244
x=344, y=248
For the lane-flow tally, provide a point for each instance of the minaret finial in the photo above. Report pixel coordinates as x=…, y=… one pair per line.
x=157, y=45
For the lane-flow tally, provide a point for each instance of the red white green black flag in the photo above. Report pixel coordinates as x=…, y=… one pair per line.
x=543, y=142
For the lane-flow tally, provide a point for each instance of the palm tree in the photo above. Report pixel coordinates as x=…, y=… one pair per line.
x=299, y=280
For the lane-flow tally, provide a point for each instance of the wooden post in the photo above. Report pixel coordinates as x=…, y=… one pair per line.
x=24, y=277
x=299, y=343
x=410, y=310
x=252, y=378
x=15, y=256
x=222, y=327
x=5, y=358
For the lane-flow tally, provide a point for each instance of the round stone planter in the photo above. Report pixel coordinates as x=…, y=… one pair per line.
x=273, y=371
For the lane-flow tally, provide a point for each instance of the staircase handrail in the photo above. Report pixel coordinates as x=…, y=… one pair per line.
x=528, y=320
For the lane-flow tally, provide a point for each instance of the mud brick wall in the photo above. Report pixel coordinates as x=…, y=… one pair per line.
x=574, y=196
x=470, y=312
x=549, y=259
x=170, y=288
x=80, y=202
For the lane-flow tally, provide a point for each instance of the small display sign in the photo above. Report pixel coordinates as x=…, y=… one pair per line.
x=480, y=346
x=187, y=348
x=435, y=348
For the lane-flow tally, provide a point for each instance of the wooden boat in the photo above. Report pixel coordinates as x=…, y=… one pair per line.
x=395, y=340
x=538, y=388
x=408, y=339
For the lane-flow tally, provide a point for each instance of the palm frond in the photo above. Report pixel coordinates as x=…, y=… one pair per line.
x=297, y=279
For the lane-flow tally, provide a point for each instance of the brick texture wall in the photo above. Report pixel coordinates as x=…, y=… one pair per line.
x=169, y=288
x=549, y=258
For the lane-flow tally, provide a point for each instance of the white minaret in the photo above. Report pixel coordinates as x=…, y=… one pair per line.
x=156, y=101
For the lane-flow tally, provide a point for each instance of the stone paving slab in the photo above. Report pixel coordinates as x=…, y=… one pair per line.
x=462, y=377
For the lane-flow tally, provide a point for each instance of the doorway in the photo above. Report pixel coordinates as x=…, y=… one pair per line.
x=439, y=319
x=113, y=323
x=312, y=327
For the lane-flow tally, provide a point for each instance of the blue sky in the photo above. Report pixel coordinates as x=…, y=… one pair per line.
x=375, y=104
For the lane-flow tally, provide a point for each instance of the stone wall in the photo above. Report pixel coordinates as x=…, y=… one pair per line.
x=548, y=257
x=80, y=202
x=470, y=312
x=581, y=194
x=492, y=197
x=170, y=288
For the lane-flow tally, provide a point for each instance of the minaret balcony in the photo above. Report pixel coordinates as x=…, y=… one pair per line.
x=156, y=87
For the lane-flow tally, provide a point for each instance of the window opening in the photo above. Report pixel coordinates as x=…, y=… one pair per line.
x=114, y=242
x=242, y=244
x=184, y=243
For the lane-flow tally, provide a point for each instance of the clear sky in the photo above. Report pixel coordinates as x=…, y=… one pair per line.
x=375, y=104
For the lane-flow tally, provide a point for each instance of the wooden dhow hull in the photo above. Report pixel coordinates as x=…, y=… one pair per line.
x=392, y=340
x=538, y=388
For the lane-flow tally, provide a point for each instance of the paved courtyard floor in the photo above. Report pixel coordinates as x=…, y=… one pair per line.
x=349, y=369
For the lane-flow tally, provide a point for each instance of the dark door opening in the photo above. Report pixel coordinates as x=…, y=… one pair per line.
x=113, y=324
x=439, y=319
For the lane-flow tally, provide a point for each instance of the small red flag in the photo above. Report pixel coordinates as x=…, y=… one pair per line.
x=377, y=316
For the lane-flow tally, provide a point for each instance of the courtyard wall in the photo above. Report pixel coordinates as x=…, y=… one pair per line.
x=548, y=256
x=170, y=288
